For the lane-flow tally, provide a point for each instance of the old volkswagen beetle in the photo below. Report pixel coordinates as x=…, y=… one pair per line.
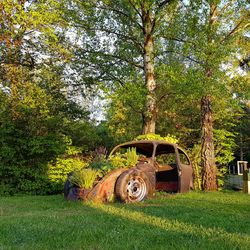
x=161, y=166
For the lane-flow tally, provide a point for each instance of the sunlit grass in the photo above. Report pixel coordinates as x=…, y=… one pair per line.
x=183, y=221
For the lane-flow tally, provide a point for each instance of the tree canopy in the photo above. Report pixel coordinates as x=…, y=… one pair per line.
x=77, y=75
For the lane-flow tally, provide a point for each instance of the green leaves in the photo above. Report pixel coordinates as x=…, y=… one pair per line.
x=151, y=136
x=84, y=178
x=34, y=110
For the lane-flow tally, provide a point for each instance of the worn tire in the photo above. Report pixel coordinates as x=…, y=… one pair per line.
x=132, y=186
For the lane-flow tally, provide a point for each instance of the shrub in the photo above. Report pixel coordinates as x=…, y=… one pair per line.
x=57, y=171
x=24, y=155
x=69, y=162
x=24, y=179
x=131, y=157
x=84, y=178
x=102, y=166
x=118, y=160
x=128, y=159
x=224, y=152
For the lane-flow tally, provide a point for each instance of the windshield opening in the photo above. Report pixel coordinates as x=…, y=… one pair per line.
x=145, y=149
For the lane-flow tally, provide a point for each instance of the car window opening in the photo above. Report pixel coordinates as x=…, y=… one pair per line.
x=167, y=172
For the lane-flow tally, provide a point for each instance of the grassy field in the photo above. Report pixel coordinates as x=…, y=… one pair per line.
x=183, y=221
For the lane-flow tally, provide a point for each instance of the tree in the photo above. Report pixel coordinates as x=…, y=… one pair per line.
x=208, y=37
x=119, y=43
x=34, y=110
x=242, y=93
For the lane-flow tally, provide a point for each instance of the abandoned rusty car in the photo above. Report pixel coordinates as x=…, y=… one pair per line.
x=161, y=166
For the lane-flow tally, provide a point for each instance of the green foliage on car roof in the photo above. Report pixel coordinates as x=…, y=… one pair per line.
x=151, y=136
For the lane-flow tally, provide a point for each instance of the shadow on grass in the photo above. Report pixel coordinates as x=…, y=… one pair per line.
x=178, y=232
x=224, y=214
x=51, y=223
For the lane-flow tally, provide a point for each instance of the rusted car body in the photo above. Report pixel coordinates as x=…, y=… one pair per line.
x=161, y=166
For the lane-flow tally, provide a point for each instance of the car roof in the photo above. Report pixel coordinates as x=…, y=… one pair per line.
x=140, y=142
x=156, y=142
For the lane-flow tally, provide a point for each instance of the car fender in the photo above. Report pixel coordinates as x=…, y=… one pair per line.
x=103, y=191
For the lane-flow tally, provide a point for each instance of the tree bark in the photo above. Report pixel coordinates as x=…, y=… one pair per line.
x=209, y=170
x=207, y=149
x=150, y=109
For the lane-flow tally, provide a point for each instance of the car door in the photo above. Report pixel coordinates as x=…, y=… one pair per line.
x=185, y=171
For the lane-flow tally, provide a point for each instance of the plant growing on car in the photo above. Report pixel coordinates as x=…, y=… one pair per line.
x=151, y=136
x=119, y=160
x=131, y=157
x=127, y=159
x=84, y=178
x=102, y=167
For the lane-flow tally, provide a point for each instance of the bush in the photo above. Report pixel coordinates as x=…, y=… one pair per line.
x=224, y=153
x=103, y=166
x=84, y=178
x=27, y=165
x=128, y=159
x=24, y=179
x=59, y=169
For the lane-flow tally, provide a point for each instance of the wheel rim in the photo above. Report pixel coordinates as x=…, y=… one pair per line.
x=136, y=189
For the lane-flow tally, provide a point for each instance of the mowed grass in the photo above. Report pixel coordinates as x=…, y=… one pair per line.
x=217, y=220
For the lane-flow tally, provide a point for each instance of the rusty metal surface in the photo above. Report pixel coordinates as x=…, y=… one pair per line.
x=185, y=178
x=104, y=190
x=184, y=172
x=149, y=170
x=168, y=178
x=133, y=185
x=134, y=143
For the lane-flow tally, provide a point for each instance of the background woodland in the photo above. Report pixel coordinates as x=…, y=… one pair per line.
x=78, y=77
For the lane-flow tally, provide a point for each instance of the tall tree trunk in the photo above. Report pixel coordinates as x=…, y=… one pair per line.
x=207, y=144
x=150, y=109
x=207, y=149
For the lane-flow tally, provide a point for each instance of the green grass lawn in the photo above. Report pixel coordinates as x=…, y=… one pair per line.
x=219, y=220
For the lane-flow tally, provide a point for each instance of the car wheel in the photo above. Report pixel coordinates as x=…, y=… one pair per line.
x=132, y=186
